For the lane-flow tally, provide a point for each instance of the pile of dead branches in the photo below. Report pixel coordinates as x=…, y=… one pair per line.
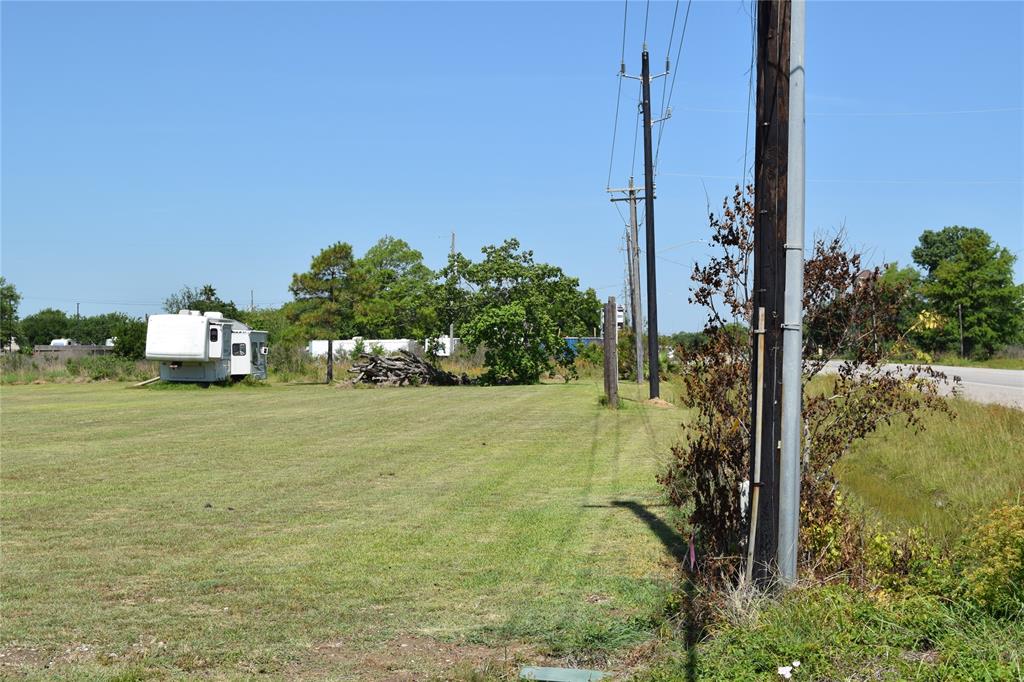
x=403, y=369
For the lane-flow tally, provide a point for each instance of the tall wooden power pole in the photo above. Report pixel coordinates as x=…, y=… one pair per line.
x=770, y=167
x=652, y=286
x=633, y=261
x=609, y=332
x=451, y=324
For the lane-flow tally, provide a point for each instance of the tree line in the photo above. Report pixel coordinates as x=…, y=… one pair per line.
x=958, y=297
x=515, y=308
x=962, y=297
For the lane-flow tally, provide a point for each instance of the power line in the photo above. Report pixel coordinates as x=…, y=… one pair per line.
x=750, y=91
x=664, y=82
x=675, y=72
x=636, y=134
x=868, y=114
x=618, y=95
x=871, y=181
x=647, y=14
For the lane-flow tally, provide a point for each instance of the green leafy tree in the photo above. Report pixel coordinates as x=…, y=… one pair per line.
x=203, y=299
x=395, y=294
x=9, y=300
x=324, y=298
x=96, y=329
x=44, y=326
x=518, y=310
x=130, y=338
x=969, y=275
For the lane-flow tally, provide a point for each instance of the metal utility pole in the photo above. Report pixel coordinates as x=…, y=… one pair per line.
x=633, y=260
x=652, y=287
x=770, y=168
x=792, y=327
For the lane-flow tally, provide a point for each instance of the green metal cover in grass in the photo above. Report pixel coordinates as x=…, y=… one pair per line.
x=561, y=674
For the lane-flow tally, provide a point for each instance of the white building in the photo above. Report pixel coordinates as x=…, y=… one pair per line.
x=203, y=348
x=443, y=346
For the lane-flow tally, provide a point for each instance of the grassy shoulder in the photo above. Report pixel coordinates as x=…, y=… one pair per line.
x=942, y=478
x=950, y=610
x=998, y=362
x=837, y=633
x=307, y=531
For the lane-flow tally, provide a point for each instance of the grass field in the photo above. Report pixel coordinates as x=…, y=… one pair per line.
x=312, y=531
x=942, y=478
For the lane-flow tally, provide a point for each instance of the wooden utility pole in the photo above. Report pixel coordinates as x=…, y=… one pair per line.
x=611, y=353
x=451, y=324
x=330, y=360
x=652, y=287
x=960, y=314
x=633, y=260
x=771, y=153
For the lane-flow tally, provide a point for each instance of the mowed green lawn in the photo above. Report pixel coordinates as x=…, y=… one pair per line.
x=311, y=531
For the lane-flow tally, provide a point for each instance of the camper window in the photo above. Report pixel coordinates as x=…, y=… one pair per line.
x=238, y=349
x=213, y=333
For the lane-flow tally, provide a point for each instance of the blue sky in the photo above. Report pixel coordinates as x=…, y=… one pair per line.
x=146, y=146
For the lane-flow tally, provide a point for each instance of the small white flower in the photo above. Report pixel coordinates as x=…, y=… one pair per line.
x=796, y=664
x=786, y=671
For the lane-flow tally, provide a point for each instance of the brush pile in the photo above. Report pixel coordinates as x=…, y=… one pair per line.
x=403, y=369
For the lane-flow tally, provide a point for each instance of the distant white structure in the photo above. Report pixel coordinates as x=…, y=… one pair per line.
x=443, y=346
x=63, y=342
x=205, y=347
x=318, y=347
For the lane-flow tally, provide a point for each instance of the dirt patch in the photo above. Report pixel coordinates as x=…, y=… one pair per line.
x=928, y=657
x=414, y=657
x=16, y=660
x=658, y=402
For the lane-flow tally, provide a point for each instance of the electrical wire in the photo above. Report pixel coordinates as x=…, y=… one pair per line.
x=664, y=82
x=668, y=103
x=750, y=92
x=618, y=95
x=647, y=15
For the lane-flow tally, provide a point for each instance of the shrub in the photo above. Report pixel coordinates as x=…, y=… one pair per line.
x=107, y=367
x=290, y=362
x=992, y=563
x=130, y=339
x=358, y=349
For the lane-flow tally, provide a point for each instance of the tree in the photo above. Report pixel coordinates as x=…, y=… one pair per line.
x=203, y=299
x=324, y=299
x=96, y=329
x=969, y=275
x=395, y=294
x=9, y=300
x=130, y=338
x=518, y=310
x=934, y=248
x=44, y=326
x=851, y=315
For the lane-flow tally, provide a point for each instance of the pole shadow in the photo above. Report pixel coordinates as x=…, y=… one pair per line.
x=679, y=549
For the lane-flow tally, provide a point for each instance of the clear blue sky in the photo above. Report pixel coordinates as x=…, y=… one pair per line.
x=146, y=146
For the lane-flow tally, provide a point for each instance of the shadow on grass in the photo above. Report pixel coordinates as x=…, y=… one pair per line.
x=679, y=549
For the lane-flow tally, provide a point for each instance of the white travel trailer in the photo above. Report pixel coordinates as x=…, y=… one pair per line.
x=205, y=347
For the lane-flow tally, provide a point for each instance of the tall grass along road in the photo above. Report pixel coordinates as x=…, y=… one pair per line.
x=311, y=531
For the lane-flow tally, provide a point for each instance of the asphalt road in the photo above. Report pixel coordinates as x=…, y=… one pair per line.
x=1001, y=386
